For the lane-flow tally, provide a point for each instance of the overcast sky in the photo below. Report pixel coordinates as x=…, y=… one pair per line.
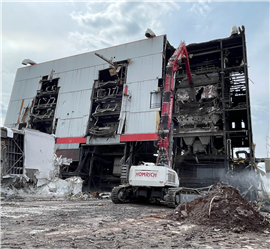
x=44, y=31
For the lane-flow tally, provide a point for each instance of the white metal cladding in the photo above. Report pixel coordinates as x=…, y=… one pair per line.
x=76, y=78
x=72, y=127
x=141, y=122
x=141, y=95
x=25, y=89
x=39, y=154
x=79, y=79
x=68, y=146
x=103, y=140
x=14, y=113
x=73, y=104
x=145, y=68
x=121, y=52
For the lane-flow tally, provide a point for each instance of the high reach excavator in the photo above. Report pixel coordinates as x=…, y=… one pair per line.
x=158, y=181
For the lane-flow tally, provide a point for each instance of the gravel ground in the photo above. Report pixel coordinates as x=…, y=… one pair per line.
x=96, y=223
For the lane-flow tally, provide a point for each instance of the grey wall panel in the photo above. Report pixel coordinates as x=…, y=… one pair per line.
x=77, y=80
x=77, y=74
x=138, y=123
x=14, y=113
x=118, y=53
x=72, y=127
x=103, y=140
x=73, y=104
x=67, y=146
x=25, y=89
x=145, y=68
x=140, y=95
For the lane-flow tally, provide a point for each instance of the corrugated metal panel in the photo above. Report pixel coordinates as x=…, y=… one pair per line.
x=68, y=146
x=72, y=127
x=144, y=47
x=25, y=89
x=76, y=80
x=145, y=68
x=103, y=140
x=35, y=71
x=140, y=95
x=77, y=75
x=144, y=122
x=13, y=112
x=73, y=104
x=121, y=52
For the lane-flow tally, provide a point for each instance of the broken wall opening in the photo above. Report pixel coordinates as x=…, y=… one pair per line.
x=107, y=100
x=44, y=106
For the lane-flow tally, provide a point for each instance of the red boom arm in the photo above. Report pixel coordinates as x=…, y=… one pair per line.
x=167, y=102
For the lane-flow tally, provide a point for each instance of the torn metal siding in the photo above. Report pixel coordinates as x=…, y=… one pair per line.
x=24, y=90
x=76, y=75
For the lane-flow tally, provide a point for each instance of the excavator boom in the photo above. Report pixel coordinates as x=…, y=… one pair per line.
x=167, y=102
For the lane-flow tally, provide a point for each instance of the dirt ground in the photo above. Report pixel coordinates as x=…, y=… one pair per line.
x=95, y=223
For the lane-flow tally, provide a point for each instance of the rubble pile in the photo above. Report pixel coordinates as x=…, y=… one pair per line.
x=223, y=207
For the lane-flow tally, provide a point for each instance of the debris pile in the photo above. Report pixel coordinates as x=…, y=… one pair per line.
x=223, y=207
x=88, y=195
x=18, y=186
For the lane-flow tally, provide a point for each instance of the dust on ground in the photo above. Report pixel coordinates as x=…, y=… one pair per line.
x=99, y=223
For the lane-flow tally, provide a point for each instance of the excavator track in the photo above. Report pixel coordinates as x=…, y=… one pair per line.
x=174, y=195
x=118, y=196
x=171, y=197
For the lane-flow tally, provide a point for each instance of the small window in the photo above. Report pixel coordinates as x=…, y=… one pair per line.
x=155, y=99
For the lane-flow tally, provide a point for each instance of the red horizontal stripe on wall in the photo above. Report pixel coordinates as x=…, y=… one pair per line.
x=71, y=140
x=138, y=137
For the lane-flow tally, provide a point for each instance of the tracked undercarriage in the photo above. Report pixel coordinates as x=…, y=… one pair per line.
x=171, y=197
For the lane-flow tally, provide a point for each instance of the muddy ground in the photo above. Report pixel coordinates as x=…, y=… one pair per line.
x=96, y=223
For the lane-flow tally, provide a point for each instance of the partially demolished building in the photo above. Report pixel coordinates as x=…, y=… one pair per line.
x=104, y=109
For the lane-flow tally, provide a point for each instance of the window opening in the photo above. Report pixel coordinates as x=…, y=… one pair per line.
x=155, y=99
